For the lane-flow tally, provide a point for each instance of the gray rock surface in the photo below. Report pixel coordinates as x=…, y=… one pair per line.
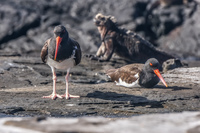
x=25, y=25
x=24, y=80
x=184, y=40
x=186, y=122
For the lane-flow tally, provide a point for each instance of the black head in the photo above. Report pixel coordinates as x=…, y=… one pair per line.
x=152, y=66
x=60, y=31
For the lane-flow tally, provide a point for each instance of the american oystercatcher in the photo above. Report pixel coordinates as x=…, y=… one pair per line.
x=135, y=75
x=61, y=52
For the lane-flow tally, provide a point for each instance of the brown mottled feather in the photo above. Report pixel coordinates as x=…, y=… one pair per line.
x=126, y=73
x=44, y=51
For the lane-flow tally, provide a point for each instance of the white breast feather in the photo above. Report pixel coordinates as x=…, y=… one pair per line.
x=133, y=84
x=66, y=64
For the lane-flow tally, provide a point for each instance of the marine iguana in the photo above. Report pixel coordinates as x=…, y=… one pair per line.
x=124, y=43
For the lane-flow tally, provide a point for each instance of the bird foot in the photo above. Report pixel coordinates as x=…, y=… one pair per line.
x=53, y=96
x=69, y=96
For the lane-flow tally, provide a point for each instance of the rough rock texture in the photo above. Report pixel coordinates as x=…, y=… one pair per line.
x=24, y=80
x=161, y=20
x=186, y=122
x=34, y=21
x=25, y=25
x=184, y=40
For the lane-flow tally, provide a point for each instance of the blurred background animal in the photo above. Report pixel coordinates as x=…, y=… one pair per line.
x=124, y=43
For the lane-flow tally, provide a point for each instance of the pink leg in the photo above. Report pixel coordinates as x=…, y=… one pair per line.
x=53, y=95
x=67, y=95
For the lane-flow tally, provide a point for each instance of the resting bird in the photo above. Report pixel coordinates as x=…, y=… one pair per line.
x=135, y=75
x=61, y=52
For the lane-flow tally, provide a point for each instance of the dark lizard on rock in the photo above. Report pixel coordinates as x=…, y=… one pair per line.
x=124, y=43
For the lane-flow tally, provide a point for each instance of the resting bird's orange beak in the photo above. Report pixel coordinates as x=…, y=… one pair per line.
x=157, y=72
x=58, y=41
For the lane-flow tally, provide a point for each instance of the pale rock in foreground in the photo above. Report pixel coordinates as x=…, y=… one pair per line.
x=185, y=122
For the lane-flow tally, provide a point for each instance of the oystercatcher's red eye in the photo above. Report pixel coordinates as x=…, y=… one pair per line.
x=150, y=64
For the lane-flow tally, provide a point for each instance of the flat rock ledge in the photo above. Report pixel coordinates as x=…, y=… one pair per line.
x=185, y=122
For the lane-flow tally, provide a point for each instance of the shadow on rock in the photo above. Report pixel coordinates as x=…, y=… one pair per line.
x=176, y=88
x=126, y=98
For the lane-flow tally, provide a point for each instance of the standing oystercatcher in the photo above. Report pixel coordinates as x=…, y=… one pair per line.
x=135, y=75
x=61, y=52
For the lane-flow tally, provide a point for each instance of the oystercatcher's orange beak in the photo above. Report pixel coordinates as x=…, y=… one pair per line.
x=157, y=72
x=58, y=41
